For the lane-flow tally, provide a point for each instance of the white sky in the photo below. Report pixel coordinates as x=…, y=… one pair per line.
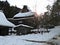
x=40, y=4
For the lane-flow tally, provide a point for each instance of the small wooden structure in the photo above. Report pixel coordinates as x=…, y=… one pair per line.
x=23, y=29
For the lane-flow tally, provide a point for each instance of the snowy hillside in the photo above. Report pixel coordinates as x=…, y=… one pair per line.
x=21, y=40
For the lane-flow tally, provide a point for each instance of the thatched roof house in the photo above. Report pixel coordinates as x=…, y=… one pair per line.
x=4, y=24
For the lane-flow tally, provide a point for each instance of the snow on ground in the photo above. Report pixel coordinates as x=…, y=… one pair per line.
x=20, y=40
x=56, y=41
x=42, y=37
x=16, y=41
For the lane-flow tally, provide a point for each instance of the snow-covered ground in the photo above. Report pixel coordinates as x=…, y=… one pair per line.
x=21, y=40
x=56, y=41
x=16, y=41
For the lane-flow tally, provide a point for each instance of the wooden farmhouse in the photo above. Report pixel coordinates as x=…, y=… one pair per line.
x=24, y=20
x=22, y=29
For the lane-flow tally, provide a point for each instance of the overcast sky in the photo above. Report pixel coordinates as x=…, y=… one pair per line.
x=40, y=5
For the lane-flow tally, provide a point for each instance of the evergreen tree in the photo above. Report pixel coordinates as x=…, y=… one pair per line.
x=8, y=10
x=55, y=15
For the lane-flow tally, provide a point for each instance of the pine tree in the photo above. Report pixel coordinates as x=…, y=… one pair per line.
x=55, y=15
x=8, y=10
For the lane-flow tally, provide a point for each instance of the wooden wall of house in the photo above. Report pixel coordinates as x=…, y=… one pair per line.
x=4, y=31
x=22, y=30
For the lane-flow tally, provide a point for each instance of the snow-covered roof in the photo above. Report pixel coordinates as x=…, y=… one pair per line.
x=24, y=14
x=4, y=21
x=24, y=25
